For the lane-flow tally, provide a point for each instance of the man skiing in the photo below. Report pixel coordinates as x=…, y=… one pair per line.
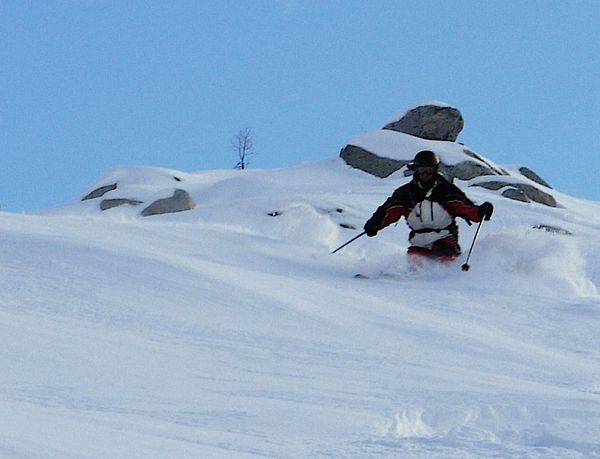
x=430, y=204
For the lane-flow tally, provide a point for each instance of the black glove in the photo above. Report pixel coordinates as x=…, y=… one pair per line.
x=371, y=227
x=486, y=210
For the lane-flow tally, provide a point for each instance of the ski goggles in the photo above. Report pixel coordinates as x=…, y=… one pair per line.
x=425, y=169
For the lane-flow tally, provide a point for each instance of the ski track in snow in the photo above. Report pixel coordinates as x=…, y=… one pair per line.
x=227, y=332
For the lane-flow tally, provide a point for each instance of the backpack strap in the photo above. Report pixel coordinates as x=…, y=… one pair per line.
x=430, y=230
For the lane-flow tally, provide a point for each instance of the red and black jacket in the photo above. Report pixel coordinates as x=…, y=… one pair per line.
x=405, y=198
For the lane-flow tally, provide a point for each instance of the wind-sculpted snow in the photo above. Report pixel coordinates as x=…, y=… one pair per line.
x=231, y=331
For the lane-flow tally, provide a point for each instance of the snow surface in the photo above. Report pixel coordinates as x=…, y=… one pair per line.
x=231, y=331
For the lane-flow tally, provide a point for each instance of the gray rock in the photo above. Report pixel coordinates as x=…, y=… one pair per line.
x=533, y=176
x=430, y=122
x=110, y=203
x=520, y=192
x=537, y=195
x=466, y=170
x=99, y=192
x=371, y=163
x=494, y=185
x=179, y=202
x=495, y=170
x=515, y=194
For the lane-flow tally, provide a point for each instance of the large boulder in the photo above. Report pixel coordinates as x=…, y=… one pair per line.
x=431, y=122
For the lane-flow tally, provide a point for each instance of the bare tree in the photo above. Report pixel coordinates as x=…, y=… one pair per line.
x=243, y=145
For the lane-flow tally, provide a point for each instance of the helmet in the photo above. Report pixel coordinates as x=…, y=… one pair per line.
x=425, y=158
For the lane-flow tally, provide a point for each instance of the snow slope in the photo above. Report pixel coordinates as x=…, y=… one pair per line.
x=231, y=331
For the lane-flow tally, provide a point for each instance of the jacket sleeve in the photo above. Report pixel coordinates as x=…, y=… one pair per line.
x=459, y=205
x=391, y=210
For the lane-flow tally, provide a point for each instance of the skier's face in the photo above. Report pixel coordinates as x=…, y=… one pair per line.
x=425, y=173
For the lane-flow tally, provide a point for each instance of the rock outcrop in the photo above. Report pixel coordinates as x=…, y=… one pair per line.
x=179, y=202
x=134, y=186
x=533, y=176
x=99, y=192
x=110, y=203
x=520, y=192
x=436, y=127
x=369, y=162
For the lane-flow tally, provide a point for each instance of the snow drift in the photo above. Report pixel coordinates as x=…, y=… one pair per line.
x=230, y=331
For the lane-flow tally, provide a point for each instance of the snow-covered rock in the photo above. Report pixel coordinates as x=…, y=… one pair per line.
x=100, y=191
x=106, y=204
x=387, y=151
x=134, y=186
x=180, y=201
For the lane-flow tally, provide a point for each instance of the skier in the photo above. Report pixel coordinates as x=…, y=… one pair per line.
x=430, y=204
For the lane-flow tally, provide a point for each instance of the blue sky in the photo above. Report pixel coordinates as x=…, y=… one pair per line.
x=89, y=85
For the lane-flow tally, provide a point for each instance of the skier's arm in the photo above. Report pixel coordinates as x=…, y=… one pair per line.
x=466, y=210
x=459, y=205
x=389, y=212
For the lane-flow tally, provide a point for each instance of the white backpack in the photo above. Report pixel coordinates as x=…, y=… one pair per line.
x=429, y=223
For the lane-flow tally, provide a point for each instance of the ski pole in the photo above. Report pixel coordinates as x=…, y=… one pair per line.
x=466, y=266
x=351, y=240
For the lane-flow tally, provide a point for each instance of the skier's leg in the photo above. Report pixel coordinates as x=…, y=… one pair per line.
x=446, y=250
x=417, y=257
